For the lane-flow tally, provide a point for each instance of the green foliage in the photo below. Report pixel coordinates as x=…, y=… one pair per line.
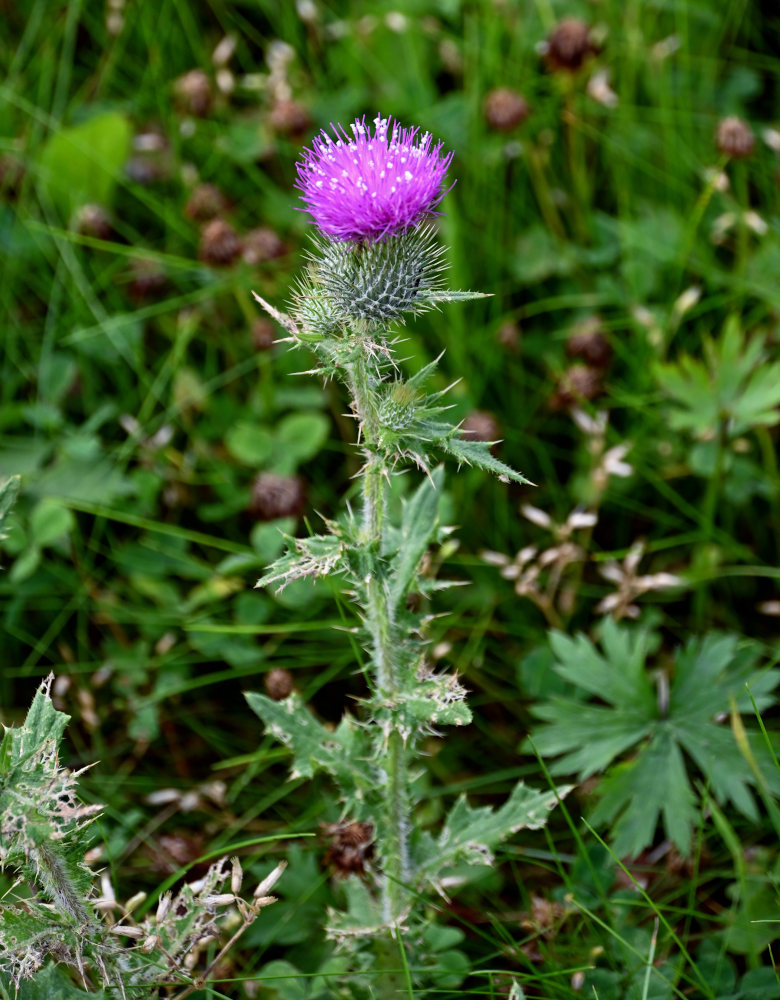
x=733, y=386
x=681, y=718
x=341, y=753
x=471, y=835
x=84, y=162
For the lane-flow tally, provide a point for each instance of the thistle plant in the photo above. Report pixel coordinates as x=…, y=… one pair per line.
x=375, y=259
x=53, y=920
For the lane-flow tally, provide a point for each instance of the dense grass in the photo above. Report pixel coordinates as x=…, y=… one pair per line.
x=130, y=566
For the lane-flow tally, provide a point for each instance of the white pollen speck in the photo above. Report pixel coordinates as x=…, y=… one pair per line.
x=407, y=176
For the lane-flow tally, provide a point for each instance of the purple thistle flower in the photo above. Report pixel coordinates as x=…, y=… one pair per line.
x=367, y=187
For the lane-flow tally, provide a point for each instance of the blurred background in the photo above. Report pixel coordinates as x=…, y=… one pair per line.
x=617, y=195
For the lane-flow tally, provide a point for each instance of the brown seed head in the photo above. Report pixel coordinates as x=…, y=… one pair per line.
x=351, y=846
x=276, y=496
x=278, y=683
x=92, y=220
x=262, y=244
x=587, y=342
x=205, y=202
x=569, y=45
x=11, y=175
x=578, y=384
x=220, y=244
x=144, y=171
x=289, y=118
x=263, y=334
x=509, y=335
x=505, y=109
x=735, y=138
x=149, y=281
x=481, y=426
x=193, y=93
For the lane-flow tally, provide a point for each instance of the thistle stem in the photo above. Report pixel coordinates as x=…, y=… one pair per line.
x=393, y=822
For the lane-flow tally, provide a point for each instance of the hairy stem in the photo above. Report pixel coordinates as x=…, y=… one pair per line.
x=393, y=823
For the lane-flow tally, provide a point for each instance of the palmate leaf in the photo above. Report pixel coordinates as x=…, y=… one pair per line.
x=734, y=384
x=653, y=785
x=709, y=676
x=342, y=753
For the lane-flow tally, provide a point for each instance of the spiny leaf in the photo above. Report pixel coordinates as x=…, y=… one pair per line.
x=478, y=453
x=317, y=555
x=341, y=753
x=418, y=524
x=471, y=835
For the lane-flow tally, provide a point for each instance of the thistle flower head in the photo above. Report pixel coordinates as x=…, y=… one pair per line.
x=368, y=186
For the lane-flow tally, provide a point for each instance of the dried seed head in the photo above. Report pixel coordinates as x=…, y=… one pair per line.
x=279, y=683
x=289, y=117
x=481, y=426
x=569, y=45
x=577, y=384
x=172, y=851
x=220, y=245
x=351, y=847
x=276, y=496
x=735, y=138
x=262, y=244
x=205, y=203
x=588, y=343
x=505, y=109
x=134, y=902
x=264, y=887
x=193, y=93
x=236, y=876
x=508, y=335
x=141, y=170
x=163, y=907
x=92, y=220
x=148, y=281
x=263, y=334
x=11, y=175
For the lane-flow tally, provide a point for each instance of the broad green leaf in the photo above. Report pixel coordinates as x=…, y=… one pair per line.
x=49, y=522
x=301, y=436
x=83, y=163
x=635, y=795
x=251, y=444
x=709, y=675
x=591, y=736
